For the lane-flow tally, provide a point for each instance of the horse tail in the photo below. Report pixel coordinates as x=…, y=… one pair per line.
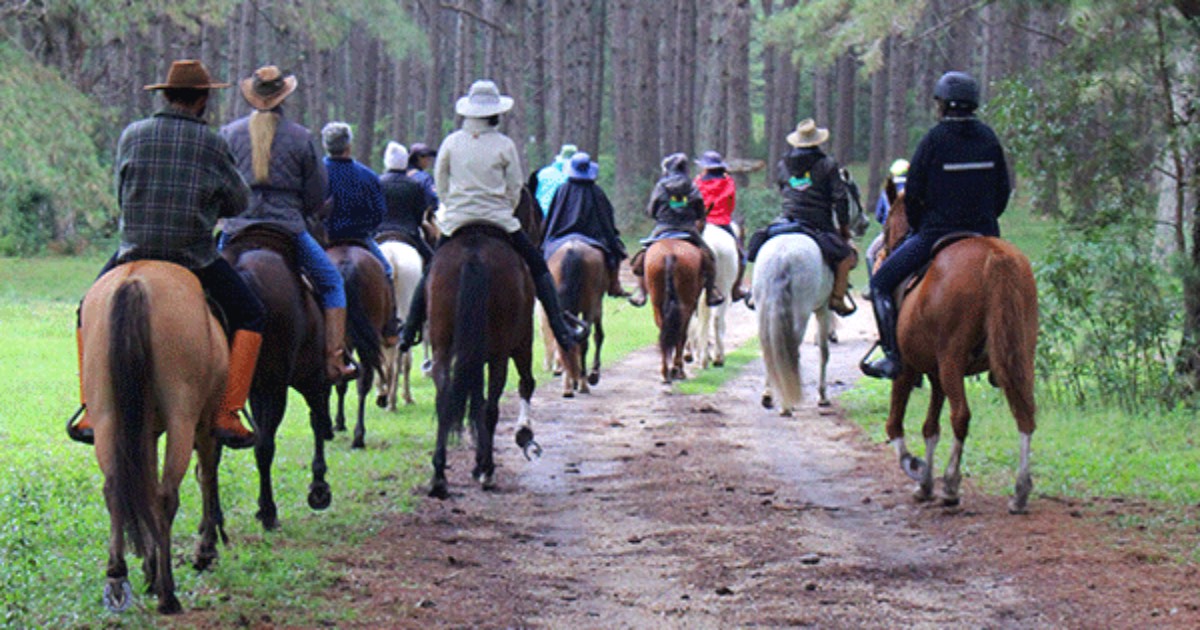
x=1011, y=328
x=364, y=335
x=129, y=360
x=673, y=324
x=571, y=273
x=470, y=343
x=779, y=337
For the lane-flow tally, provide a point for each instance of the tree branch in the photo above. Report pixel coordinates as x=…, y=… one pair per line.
x=503, y=29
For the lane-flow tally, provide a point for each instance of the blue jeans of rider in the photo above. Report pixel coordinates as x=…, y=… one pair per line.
x=912, y=253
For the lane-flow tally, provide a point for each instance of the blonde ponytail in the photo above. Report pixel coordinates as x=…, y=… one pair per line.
x=262, y=134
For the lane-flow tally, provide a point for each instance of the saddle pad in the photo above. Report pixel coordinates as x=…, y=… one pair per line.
x=675, y=234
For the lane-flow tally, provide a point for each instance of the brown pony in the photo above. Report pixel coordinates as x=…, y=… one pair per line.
x=479, y=297
x=368, y=308
x=154, y=361
x=672, y=268
x=974, y=311
x=582, y=280
x=292, y=355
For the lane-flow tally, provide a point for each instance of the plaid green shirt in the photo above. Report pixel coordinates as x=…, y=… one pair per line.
x=175, y=178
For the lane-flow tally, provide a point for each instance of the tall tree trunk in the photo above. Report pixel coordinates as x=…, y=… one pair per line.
x=843, y=116
x=365, y=142
x=433, y=85
x=875, y=158
x=899, y=71
x=711, y=133
x=823, y=80
x=738, y=132
x=595, y=90
x=402, y=100
x=535, y=83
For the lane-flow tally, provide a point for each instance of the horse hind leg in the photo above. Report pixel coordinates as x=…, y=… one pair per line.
x=598, y=338
x=1019, y=504
x=824, y=324
x=960, y=418
x=118, y=594
x=525, y=386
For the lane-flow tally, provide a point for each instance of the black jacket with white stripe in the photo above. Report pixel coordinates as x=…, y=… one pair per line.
x=958, y=179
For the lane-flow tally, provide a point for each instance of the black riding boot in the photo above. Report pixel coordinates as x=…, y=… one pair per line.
x=410, y=334
x=568, y=334
x=885, y=319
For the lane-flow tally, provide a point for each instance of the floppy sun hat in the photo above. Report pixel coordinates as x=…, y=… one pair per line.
x=483, y=100
x=581, y=166
x=807, y=134
x=267, y=88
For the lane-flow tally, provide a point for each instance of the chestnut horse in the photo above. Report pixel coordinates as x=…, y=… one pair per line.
x=154, y=361
x=292, y=355
x=582, y=280
x=368, y=307
x=672, y=268
x=975, y=310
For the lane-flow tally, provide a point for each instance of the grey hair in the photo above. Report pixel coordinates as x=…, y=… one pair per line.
x=336, y=136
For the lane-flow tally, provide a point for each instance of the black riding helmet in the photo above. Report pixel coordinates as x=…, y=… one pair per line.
x=958, y=90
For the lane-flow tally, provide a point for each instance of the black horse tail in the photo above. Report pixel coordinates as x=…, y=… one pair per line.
x=130, y=363
x=673, y=325
x=571, y=273
x=470, y=345
x=364, y=335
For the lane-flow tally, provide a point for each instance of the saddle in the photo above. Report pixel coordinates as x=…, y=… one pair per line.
x=682, y=235
x=275, y=238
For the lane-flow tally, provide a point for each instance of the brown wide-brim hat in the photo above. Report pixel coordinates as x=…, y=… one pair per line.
x=807, y=134
x=187, y=74
x=267, y=87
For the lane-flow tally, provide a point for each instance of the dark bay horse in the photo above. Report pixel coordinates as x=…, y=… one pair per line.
x=672, y=268
x=975, y=311
x=582, y=281
x=154, y=361
x=480, y=297
x=292, y=355
x=368, y=308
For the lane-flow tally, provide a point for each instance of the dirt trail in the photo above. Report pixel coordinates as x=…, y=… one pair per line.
x=651, y=509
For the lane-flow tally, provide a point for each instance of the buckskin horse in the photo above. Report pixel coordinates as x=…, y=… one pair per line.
x=975, y=310
x=154, y=361
x=480, y=313
x=672, y=268
x=791, y=282
x=582, y=280
x=293, y=354
x=368, y=307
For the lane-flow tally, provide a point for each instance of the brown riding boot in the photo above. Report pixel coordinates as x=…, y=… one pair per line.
x=614, y=283
x=841, y=283
x=738, y=292
x=337, y=368
x=636, y=264
x=243, y=357
x=81, y=431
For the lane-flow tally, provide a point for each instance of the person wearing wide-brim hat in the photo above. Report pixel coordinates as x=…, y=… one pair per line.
x=580, y=209
x=288, y=183
x=719, y=191
x=815, y=202
x=175, y=180
x=548, y=178
x=479, y=179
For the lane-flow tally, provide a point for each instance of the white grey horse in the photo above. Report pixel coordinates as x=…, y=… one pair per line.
x=406, y=273
x=791, y=282
x=707, y=333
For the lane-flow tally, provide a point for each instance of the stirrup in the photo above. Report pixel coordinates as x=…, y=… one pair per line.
x=83, y=436
x=237, y=441
x=713, y=298
x=849, y=310
x=638, y=299
x=876, y=369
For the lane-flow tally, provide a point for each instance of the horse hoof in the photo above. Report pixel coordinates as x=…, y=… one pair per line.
x=169, y=605
x=593, y=378
x=319, y=496
x=767, y=401
x=568, y=393
x=786, y=413
x=270, y=522
x=557, y=372
x=439, y=491
x=824, y=402
x=204, y=559
x=487, y=481
x=118, y=597
x=921, y=494
x=951, y=502
x=719, y=363
x=381, y=401
x=524, y=436
x=687, y=357
x=914, y=467
x=358, y=443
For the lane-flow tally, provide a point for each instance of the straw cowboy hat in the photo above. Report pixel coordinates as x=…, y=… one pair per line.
x=267, y=87
x=187, y=74
x=482, y=100
x=807, y=134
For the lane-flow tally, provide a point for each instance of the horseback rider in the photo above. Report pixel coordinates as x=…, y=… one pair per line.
x=957, y=182
x=677, y=208
x=175, y=179
x=580, y=208
x=405, y=201
x=356, y=205
x=420, y=160
x=287, y=188
x=897, y=176
x=814, y=196
x=478, y=176
x=719, y=192
x=549, y=178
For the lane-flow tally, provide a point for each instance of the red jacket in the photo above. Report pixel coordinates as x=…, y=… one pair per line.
x=720, y=196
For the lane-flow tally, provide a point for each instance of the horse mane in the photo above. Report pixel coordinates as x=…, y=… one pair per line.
x=262, y=134
x=896, y=227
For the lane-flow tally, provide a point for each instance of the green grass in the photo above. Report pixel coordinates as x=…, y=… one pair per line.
x=53, y=537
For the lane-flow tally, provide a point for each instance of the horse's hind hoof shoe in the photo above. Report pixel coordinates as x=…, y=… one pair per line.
x=118, y=599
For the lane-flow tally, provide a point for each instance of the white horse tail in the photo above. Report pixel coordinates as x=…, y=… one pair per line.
x=780, y=340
